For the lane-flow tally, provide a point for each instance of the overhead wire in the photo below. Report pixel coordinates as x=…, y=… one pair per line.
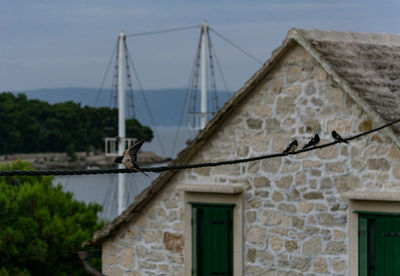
x=191, y=166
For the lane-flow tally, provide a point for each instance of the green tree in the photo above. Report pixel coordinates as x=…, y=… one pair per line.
x=41, y=226
x=36, y=126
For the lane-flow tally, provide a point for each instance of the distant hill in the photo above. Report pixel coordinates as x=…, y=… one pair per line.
x=165, y=104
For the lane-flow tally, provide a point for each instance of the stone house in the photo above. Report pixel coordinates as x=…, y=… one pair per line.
x=331, y=211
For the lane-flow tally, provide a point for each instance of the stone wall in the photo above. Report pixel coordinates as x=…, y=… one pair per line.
x=152, y=244
x=295, y=219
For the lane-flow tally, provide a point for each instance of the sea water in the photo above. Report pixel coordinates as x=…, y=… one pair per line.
x=103, y=189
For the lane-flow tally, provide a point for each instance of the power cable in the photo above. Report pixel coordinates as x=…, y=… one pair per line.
x=189, y=166
x=236, y=46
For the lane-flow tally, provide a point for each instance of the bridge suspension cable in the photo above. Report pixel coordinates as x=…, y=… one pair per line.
x=163, y=31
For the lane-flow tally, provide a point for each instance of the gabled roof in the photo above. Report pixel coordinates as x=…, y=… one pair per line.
x=365, y=65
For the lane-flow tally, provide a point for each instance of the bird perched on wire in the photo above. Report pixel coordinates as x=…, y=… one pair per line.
x=313, y=142
x=129, y=157
x=338, y=138
x=291, y=147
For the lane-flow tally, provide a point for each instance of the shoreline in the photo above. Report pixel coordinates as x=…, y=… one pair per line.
x=55, y=160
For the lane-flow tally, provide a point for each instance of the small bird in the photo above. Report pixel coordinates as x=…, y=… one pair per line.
x=129, y=157
x=338, y=138
x=313, y=142
x=291, y=147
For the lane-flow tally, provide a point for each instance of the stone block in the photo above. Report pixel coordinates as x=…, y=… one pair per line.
x=293, y=73
x=173, y=242
x=127, y=257
x=254, y=203
x=365, y=126
x=265, y=258
x=300, y=263
x=283, y=261
x=108, y=260
x=256, y=235
x=253, y=167
x=251, y=255
x=276, y=242
x=396, y=171
x=293, y=90
x=291, y=246
x=306, y=206
x=286, y=105
x=277, y=196
x=270, y=217
x=294, y=195
x=251, y=216
x=263, y=110
x=394, y=153
x=261, y=182
x=339, y=234
x=284, y=182
x=202, y=171
x=258, y=271
x=310, y=89
x=338, y=265
x=289, y=208
x=375, y=151
x=155, y=256
x=321, y=266
x=112, y=270
x=336, y=248
x=301, y=179
x=271, y=165
x=312, y=247
x=381, y=164
x=272, y=125
x=335, y=167
x=313, y=195
x=253, y=123
x=327, y=153
x=346, y=183
x=277, y=86
x=298, y=223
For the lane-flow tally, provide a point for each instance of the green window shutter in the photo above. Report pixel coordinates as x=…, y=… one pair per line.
x=362, y=246
x=387, y=246
x=212, y=240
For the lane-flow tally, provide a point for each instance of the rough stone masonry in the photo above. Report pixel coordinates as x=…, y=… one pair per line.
x=296, y=222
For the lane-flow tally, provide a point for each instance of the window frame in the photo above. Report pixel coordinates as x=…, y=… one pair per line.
x=208, y=194
x=368, y=204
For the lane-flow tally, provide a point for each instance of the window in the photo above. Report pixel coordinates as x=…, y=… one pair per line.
x=212, y=239
x=212, y=205
x=378, y=244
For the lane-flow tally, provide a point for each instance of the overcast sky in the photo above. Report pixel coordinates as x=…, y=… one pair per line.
x=51, y=44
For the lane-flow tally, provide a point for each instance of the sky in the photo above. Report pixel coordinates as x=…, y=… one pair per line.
x=55, y=43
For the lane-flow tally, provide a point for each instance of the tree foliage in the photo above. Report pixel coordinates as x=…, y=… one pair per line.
x=41, y=226
x=37, y=126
